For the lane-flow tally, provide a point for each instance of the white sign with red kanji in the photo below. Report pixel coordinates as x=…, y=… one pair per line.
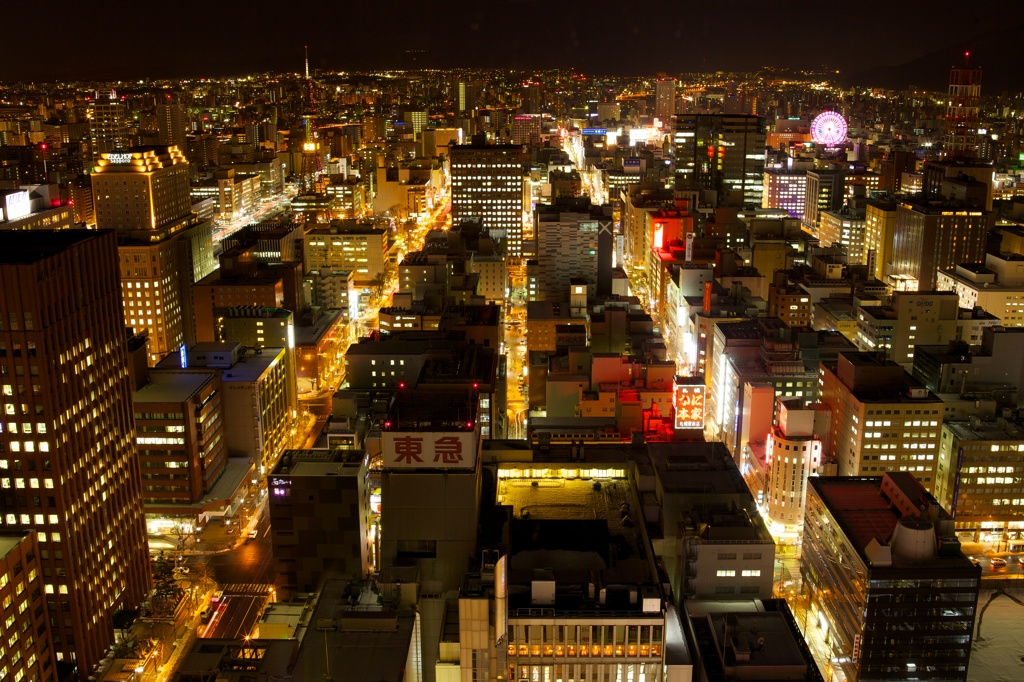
x=429, y=449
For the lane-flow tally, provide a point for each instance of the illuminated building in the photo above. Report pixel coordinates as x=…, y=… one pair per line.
x=715, y=545
x=793, y=453
x=665, y=100
x=997, y=286
x=879, y=228
x=350, y=196
x=415, y=360
x=258, y=327
x=143, y=194
x=551, y=620
x=320, y=517
x=785, y=189
x=980, y=463
x=108, y=124
x=931, y=236
x=684, y=141
x=357, y=247
x=260, y=266
x=895, y=596
x=764, y=351
x=574, y=240
x=962, y=109
x=914, y=317
x=179, y=425
x=824, y=192
x=34, y=207
x=255, y=397
x=430, y=451
x=885, y=420
x=235, y=193
x=728, y=157
x=846, y=227
x=526, y=129
x=28, y=643
x=70, y=469
x=487, y=182
x=789, y=302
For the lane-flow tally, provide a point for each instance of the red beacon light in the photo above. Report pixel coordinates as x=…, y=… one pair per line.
x=387, y=425
x=469, y=425
x=401, y=384
x=476, y=385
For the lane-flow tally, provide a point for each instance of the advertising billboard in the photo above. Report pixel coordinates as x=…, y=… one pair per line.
x=688, y=401
x=17, y=205
x=429, y=449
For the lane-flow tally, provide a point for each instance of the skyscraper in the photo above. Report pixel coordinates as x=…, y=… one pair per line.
x=487, y=182
x=726, y=153
x=69, y=468
x=143, y=194
x=930, y=236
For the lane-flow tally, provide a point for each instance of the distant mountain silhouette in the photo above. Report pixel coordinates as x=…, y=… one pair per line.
x=997, y=52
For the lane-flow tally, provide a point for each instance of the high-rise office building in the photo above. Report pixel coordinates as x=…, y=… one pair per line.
x=665, y=99
x=487, y=182
x=824, y=192
x=143, y=194
x=69, y=468
x=30, y=656
x=930, y=236
x=726, y=154
x=884, y=419
x=895, y=597
x=785, y=189
x=172, y=122
x=108, y=124
x=574, y=240
x=879, y=227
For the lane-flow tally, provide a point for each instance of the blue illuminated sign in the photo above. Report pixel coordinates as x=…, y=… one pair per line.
x=594, y=131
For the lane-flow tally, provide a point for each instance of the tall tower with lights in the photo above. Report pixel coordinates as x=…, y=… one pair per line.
x=312, y=163
x=962, y=110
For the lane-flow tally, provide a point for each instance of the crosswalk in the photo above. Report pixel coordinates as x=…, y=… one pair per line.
x=246, y=588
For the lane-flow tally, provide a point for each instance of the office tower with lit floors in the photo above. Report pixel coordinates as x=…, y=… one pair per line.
x=68, y=463
x=487, y=182
x=726, y=153
x=895, y=597
x=143, y=195
x=108, y=124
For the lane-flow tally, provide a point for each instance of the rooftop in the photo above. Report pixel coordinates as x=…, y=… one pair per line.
x=172, y=387
x=21, y=247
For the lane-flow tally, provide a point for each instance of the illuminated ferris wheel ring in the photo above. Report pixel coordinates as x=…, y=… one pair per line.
x=829, y=128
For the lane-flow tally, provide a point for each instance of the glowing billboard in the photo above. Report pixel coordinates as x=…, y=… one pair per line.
x=688, y=401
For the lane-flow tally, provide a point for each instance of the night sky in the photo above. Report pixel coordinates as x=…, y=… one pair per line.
x=111, y=39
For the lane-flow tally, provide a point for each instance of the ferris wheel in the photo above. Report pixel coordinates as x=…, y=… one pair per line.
x=829, y=128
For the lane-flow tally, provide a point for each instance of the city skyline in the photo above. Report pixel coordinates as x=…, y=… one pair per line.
x=522, y=34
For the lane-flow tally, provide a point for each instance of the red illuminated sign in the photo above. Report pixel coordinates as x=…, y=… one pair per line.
x=688, y=400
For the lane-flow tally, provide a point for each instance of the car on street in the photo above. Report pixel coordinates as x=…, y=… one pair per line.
x=181, y=569
x=998, y=562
